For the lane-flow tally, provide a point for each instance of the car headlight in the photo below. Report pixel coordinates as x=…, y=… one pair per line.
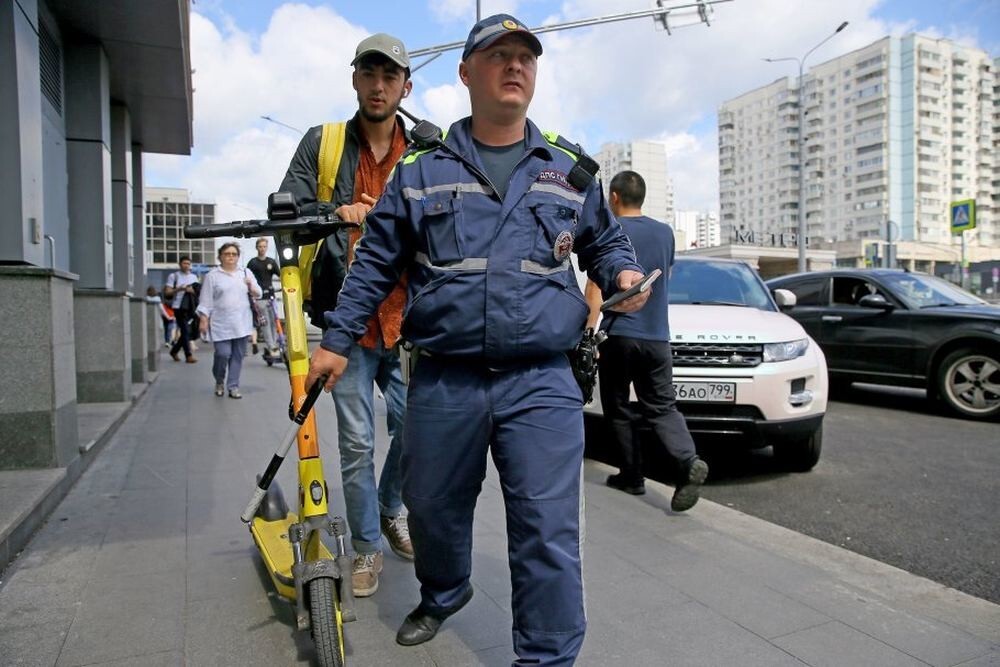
x=785, y=351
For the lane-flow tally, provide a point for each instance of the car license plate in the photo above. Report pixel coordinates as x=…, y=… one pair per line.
x=708, y=392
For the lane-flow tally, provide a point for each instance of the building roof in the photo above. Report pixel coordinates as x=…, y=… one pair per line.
x=149, y=55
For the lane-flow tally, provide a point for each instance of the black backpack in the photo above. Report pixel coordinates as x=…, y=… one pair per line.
x=328, y=271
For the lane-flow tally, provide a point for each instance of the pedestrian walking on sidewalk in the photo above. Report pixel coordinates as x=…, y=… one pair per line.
x=637, y=354
x=165, y=311
x=484, y=226
x=180, y=289
x=226, y=318
x=265, y=270
x=374, y=140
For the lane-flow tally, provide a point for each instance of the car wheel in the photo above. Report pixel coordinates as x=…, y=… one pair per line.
x=969, y=383
x=801, y=454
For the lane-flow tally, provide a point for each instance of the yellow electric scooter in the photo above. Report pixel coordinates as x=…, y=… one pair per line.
x=300, y=564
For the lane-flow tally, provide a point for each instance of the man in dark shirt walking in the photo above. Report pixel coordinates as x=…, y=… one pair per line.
x=637, y=354
x=264, y=269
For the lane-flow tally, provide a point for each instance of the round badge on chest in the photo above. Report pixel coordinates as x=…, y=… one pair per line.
x=563, y=245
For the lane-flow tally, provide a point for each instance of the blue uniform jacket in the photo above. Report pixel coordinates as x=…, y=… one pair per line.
x=487, y=278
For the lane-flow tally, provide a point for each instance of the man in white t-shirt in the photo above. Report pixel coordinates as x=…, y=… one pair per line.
x=183, y=299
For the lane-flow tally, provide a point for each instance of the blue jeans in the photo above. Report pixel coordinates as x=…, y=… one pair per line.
x=229, y=356
x=353, y=397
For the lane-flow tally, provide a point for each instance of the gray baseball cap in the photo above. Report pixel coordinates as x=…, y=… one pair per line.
x=384, y=44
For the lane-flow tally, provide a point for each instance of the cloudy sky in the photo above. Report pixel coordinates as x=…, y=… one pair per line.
x=615, y=82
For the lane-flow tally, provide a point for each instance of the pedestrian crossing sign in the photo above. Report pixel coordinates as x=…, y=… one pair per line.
x=963, y=215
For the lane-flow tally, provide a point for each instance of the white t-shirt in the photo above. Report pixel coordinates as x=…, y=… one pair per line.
x=224, y=301
x=178, y=281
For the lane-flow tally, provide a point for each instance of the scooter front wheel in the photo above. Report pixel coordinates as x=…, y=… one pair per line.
x=327, y=622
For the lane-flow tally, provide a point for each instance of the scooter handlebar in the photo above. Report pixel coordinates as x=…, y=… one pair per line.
x=321, y=225
x=235, y=228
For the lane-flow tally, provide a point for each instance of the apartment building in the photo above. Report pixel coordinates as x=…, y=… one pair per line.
x=698, y=229
x=649, y=160
x=893, y=133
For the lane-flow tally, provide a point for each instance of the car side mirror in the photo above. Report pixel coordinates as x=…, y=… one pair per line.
x=876, y=301
x=785, y=298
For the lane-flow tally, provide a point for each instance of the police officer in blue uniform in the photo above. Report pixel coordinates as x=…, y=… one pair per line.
x=484, y=223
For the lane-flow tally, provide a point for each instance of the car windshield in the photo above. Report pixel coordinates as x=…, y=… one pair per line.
x=717, y=283
x=920, y=291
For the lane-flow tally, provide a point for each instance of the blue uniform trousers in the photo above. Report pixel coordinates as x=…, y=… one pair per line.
x=530, y=417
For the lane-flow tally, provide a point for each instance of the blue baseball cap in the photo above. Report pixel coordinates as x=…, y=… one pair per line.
x=492, y=28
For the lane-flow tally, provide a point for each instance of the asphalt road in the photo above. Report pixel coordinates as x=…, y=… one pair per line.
x=898, y=481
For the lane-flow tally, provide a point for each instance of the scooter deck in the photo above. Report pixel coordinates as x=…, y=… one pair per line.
x=271, y=538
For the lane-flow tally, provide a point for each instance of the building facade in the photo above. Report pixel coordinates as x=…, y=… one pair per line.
x=894, y=133
x=168, y=212
x=88, y=89
x=649, y=160
x=700, y=229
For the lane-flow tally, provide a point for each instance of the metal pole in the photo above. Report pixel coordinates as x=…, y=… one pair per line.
x=278, y=122
x=961, y=268
x=697, y=6
x=802, y=171
x=802, y=148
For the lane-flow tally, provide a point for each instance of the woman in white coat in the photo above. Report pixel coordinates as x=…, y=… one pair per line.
x=225, y=316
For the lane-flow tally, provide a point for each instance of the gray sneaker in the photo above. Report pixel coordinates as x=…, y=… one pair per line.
x=689, y=490
x=364, y=574
x=397, y=533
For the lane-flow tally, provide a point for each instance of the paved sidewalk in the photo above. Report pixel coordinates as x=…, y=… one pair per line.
x=146, y=563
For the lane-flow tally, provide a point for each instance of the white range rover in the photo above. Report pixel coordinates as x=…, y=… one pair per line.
x=743, y=370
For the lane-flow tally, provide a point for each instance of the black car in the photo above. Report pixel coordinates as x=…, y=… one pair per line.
x=888, y=326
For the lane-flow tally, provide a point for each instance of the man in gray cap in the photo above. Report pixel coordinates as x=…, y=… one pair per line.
x=373, y=140
x=484, y=224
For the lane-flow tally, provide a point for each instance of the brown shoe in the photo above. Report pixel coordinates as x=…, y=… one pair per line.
x=364, y=574
x=397, y=533
x=173, y=355
x=191, y=360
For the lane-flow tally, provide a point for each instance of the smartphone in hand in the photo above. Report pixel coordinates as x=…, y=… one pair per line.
x=637, y=288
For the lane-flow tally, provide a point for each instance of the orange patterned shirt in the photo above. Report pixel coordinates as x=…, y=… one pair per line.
x=370, y=179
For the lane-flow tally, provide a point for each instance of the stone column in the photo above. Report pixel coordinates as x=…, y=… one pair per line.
x=20, y=135
x=140, y=342
x=103, y=346
x=38, y=413
x=154, y=335
x=88, y=151
x=124, y=277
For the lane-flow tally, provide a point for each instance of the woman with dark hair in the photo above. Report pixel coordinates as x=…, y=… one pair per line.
x=225, y=317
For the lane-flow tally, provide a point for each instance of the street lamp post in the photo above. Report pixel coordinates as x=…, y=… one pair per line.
x=890, y=247
x=802, y=136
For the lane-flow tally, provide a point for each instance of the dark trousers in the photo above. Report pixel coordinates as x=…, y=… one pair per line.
x=530, y=419
x=645, y=365
x=184, y=340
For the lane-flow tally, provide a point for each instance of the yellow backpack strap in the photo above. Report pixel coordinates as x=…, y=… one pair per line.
x=331, y=149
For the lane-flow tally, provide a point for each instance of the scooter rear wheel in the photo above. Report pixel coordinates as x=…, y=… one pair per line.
x=326, y=622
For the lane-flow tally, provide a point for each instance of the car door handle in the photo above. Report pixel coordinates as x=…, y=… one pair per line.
x=832, y=318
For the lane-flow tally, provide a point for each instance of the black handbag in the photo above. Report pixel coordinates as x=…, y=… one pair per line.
x=258, y=317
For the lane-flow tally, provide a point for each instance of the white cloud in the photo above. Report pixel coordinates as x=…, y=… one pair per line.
x=693, y=165
x=615, y=82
